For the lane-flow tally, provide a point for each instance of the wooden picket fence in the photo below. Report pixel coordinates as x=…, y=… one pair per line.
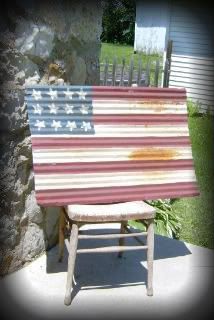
x=141, y=73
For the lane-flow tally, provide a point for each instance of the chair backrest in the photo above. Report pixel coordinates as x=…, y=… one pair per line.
x=109, y=144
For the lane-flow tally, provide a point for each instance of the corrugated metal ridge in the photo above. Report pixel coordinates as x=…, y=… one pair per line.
x=56, y=142
x=111, y=166
x=153, y=118
x=118, y=92
x=138, y=95
x=138, y=89
x=125, y=119
x=103, y=179
x=116, y=194
x=100, y=191
x=44, y=87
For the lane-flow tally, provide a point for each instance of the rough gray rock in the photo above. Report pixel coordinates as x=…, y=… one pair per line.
x=32, y=210
x=41, y=42
x=51, y=226
x=34, y=40
x=33, y=242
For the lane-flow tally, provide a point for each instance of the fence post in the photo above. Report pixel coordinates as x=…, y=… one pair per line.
x=139, y=74
x=114, y=70
x=131, y=67
x=157, y=65
x=167, y=64
x=105, y=72
x=147, y=82
x=122, y=72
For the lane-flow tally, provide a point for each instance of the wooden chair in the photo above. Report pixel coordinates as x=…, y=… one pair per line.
x=76, y=215
x=98, y=152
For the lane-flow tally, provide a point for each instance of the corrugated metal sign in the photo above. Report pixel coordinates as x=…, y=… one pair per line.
x=109, y=144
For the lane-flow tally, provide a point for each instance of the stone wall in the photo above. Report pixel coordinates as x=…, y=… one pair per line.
x=51, y=42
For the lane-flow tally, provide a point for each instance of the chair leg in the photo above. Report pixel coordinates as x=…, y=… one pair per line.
x=150, y=254
x=71, y=262
x=61, y=235
x=121, y=240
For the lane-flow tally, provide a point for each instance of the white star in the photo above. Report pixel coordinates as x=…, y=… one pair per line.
x=82, y=94
x=71, y=125
x=37, y=108
x=84, y=109
x=68, y=94
x=69, y=108
x=56, y=125
x=40, y=124
x=36, y=94
x=53, y=108
x=52, y=93
x=86, y=126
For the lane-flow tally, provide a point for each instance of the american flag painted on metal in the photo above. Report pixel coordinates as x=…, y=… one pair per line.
x=109, y=144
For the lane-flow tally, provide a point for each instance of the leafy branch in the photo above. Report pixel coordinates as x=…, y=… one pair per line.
x=167, y=223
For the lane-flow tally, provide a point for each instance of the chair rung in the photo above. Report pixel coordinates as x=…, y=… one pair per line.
x=136, y=237
x=112, y=236
x=112, y=249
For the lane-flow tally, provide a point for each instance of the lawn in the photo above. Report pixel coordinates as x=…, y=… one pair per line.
x=197, y=213
x=110, y=50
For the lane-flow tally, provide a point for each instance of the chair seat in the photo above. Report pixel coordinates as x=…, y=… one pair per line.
x=111, y=212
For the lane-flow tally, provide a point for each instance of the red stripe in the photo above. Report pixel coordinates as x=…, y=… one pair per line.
x=116, y=198
x=140, y=119
x=137, y=89
x=100, y=191
x=115, y=194
x=131, y=93
x=144, y=102
x=111, y=95
x=75, y=142
x=112, y=166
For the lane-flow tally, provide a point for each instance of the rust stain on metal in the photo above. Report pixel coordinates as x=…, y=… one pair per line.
x=153, y=154
x=158, y=107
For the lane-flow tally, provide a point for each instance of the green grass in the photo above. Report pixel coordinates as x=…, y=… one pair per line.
x=110, y=50
x=197, y=213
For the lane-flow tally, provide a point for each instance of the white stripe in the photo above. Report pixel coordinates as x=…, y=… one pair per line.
x=110, y=154
x=93, y=180
x=141, y=130
x=118, y=107
x=124, y=130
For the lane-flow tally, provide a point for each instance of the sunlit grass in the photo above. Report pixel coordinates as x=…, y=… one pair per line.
x=110, y=50
x=197, y=213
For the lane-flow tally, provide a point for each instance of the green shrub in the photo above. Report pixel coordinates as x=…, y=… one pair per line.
x=193, y=109
x=167, y=223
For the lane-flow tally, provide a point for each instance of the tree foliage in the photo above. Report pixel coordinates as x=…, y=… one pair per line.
x=119, y=21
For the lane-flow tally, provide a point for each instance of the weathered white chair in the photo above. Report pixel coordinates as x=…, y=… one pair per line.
x=76, y=215
x=99, y=151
